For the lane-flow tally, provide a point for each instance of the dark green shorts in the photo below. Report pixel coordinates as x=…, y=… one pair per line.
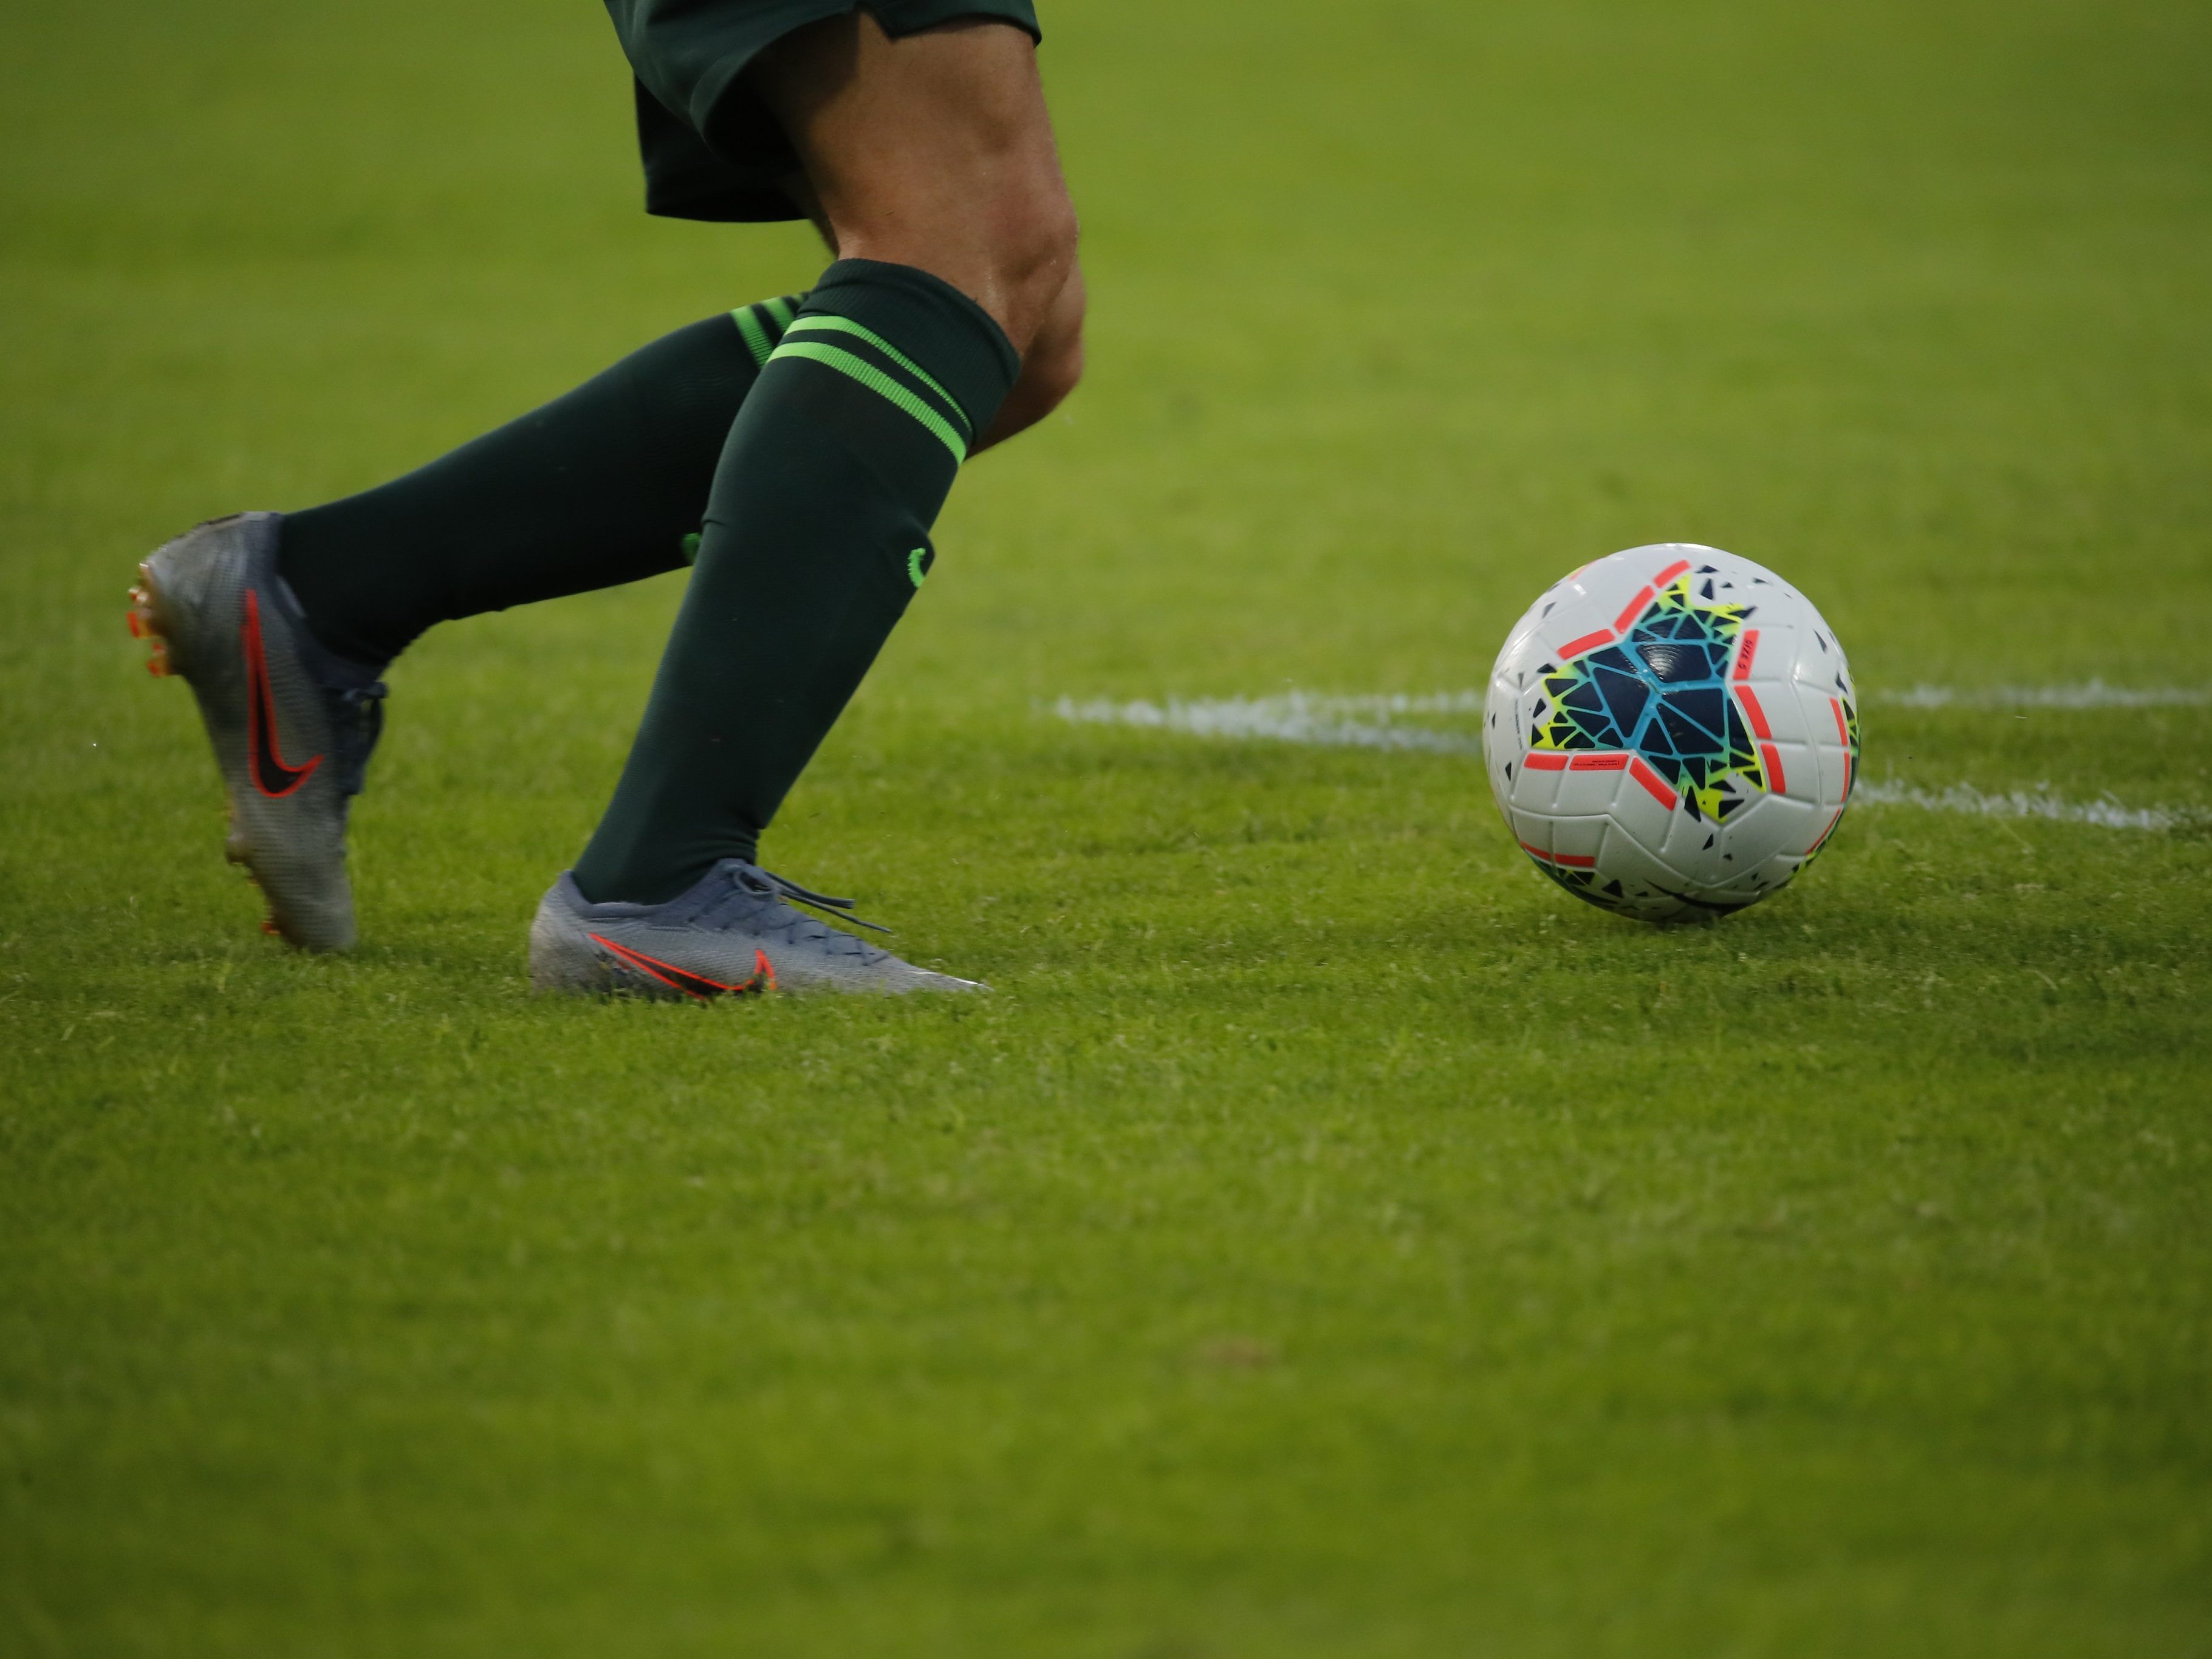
x=711, y=148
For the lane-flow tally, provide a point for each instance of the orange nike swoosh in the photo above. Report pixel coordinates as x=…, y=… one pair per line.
x=683, y=979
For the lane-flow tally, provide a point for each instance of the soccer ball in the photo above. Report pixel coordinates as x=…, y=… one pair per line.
x=1671, y=732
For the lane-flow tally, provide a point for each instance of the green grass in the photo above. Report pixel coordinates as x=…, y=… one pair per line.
x=1328, y=1239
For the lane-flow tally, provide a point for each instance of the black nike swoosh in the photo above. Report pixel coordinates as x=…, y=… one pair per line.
x=272, y=776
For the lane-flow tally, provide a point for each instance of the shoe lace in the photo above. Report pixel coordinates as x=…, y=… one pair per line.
x=782, y=887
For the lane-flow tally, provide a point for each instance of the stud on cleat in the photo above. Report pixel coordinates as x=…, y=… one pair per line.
x=144, y=625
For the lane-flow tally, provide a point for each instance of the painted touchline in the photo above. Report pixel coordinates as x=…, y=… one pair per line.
x=1326, y=721
x=2087, y=694
x=1293, y=717
x=2090, y=694
x=2037, y=803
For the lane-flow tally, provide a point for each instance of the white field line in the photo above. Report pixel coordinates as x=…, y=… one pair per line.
x=2036, y=802
x=1306, y=712
x=1295, y=717
x=1329, y=722
x=2090, y=694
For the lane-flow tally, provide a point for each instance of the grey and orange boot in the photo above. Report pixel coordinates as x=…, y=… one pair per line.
x=735, y=932
x=292, y=724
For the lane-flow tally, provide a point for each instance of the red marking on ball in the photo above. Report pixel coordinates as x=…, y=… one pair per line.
x=1744, y=656
x=1570, y=859
x=1642, y=772
x=1773, y=757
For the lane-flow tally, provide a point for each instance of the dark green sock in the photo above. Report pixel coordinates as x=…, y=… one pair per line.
x=817, y=534
x=602, y=486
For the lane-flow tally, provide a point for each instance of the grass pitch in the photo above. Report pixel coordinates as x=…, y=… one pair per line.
x=1329, y=1239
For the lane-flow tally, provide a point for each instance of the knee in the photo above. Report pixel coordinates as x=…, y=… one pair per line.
x=1051, y=366
x=1048, y=374
x=1052, y=370
x=1033, y=258
x=1052, y=362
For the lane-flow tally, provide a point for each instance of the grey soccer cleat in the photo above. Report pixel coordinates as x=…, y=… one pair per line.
x=735, y=931
x=292, y=725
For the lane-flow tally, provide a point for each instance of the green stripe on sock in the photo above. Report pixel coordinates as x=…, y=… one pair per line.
x=823, y=321
x=876, y=380
x=781, y=309
x=757, y=340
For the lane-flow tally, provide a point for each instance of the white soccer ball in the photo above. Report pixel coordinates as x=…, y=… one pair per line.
x=1671, y=732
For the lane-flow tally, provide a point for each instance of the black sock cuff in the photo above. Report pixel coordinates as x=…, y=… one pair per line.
x=950, y=337
x=761, y=325
x=327, y=667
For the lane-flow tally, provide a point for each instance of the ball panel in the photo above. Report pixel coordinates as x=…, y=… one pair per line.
x=1573, y=842
x=1830, y=741
x=1777, y=824
x=1638, y=807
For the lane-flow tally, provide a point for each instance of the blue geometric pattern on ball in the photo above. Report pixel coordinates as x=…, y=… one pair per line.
x=1661, y=691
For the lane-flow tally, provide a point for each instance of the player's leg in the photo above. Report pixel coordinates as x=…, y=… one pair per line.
x=602, y=486
x=932, y=160
x=933, y=150
x=283, y=625
x=1050, y=367
x=1052, y=363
